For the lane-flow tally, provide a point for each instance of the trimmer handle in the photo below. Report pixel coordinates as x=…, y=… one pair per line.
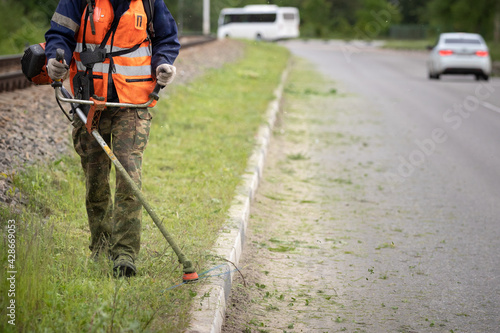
x=60, y=55
x=60, y=58
x=155, y=94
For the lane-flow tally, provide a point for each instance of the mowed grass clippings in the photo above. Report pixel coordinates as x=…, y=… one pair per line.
x=201, y=138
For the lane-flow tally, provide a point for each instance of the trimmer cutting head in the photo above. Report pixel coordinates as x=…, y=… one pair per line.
x=190, y=277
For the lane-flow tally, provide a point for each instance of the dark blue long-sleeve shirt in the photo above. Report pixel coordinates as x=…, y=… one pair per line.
x=66, y=22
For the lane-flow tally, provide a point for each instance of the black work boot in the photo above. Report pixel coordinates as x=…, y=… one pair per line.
x=124, y=266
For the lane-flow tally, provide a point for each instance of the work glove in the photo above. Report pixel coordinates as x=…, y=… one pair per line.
x=165, y=74
x=57, y=70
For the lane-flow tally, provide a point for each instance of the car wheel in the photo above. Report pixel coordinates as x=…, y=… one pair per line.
x=433, y=76
x=486, y=77
x=258, y=37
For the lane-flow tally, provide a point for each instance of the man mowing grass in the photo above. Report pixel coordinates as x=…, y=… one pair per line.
x=113, y=48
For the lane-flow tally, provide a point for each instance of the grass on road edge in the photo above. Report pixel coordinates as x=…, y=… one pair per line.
x=202, y=136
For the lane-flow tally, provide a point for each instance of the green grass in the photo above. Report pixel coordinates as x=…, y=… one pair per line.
x=407, y=44
x=201, y=139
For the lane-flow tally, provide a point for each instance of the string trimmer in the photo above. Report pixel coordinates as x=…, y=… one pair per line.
x=33, y=67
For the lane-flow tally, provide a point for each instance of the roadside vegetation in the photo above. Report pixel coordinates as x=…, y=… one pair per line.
x=416, y=45
x=201, y=139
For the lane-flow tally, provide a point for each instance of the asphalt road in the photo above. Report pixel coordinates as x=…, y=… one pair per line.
x=440, y=162
x=444, y=156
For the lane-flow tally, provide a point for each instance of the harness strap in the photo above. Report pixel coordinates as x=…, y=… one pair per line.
x=89, y=58
x=84, y=45
x=149, y=8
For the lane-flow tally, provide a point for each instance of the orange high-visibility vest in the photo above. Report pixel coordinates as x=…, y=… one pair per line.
x=130, y=70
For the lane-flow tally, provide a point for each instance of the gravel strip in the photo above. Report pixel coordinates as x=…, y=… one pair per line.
x=34, y=131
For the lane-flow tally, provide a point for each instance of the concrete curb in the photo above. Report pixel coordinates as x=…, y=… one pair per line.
x=211, y=301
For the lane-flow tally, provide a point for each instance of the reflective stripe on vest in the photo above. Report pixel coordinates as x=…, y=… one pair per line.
x=140, y=52
x=101, y=68
x=131, y=74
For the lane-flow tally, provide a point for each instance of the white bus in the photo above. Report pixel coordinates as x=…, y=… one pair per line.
x=260, y=22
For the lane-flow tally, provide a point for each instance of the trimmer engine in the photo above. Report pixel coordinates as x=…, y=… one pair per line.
x=34, y=64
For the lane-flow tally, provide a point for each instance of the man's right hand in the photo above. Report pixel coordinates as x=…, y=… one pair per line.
x=165, y=74
x=57, y=70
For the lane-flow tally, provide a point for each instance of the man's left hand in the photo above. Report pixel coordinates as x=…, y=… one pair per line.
x=165, y=74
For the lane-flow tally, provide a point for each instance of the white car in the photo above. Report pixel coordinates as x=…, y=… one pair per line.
x=459, y=53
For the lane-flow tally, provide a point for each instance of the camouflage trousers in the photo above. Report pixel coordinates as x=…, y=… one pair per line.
x=116, y=225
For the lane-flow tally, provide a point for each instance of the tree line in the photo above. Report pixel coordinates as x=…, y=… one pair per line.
x=363, y=18
x=24, y=21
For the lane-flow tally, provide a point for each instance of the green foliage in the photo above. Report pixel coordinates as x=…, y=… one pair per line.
x=23, y=22
x=494, y=50
x=375, y=17
x=463, y=15
x=413, y=11
x=320, y=11
x=9, y=17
